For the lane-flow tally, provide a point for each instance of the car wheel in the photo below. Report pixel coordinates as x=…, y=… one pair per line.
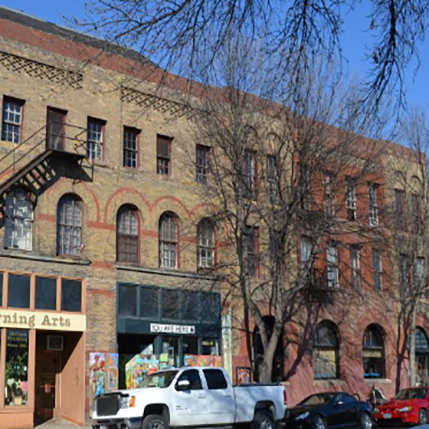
x=365, y=421
x=318, y=423
x=423, y=417
x=154, y=421
x=263, y=420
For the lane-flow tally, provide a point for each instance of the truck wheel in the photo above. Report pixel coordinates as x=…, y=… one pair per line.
x=263, y=420
x=154, y=421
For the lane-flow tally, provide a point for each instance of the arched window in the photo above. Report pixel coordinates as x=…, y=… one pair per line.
x=205, y=245
x=69, y=226
x=325, y=352
x=168, y=241
x=19, y=220
x=258, y=352
x=422, y=357
x=127, y=228
x=373, y=353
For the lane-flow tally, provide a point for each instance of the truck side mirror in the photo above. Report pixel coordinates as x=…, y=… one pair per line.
x=183, y=385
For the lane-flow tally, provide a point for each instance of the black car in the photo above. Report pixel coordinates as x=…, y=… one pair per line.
x=329, y=410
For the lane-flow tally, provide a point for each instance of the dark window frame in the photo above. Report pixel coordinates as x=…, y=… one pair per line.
x=11, y=130
x=95, y=147
x=372, y=336
x=131, y=148
x=203, y=163
x=169, y=244
x=326, y=346
x=67, y=227
x=128, y=235
x=163, y=155
x=206, y=245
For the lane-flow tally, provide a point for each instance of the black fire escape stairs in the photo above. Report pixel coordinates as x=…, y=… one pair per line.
x=33, y=166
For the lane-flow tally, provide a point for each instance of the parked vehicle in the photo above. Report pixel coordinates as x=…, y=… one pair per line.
x=190, y=397
x=329, y=410
x=408, y=406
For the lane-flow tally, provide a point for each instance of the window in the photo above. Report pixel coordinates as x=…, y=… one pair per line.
x=69, y=226
x=420, y=271
x=210, y=307
x=272, y=179
x=131, y=147
x=19, y=220
x=56, y=129
x=18, y=291
x=12, y=120
x=127, y=235
x=249, y=174
x=399, y=210
x=373, y=204
x=95, y=139
x=373, y=353
x=127, y=301
x=304, y=180
x=16, y=379
x=306, y=253
x=332, y=265
x=191, y=306
x=355, y=267
x=71, y=295
x=46, y=293
x=215, y=379
x=193, y=376
x=149, y=302
x=351, y=199
x=328, y=194
x=377, y=270
x=250, y=245
x=168, y=241
x=403, y=273
x=415, y=212
x=205, y=245
x=325, y=352
x=203, y=153
x=170, y=304
x=163, y=155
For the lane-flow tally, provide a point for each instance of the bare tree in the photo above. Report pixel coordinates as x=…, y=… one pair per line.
x=174, y=33
x=409, y=214
x=274, y=174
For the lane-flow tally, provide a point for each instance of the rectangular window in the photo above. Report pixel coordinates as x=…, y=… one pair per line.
x=351, y=198
x=190, y=306
x=377, y=270
x=324, y=363
x=249, y=174
x=373, y=204
x=355, y=267
x=56, y=129
x=71, y=295
x=127, y=301
x=399, y=210
x=332, y=265
x=210, y=307
x=18, y=291
x=12, y=120
x=420, y=272
x=170, y=304
x=202, y=163
x=403, y=273
x=250, y=241
x=304, y=180
x=163, y=155
x=46, y=293
x=149, y=302
x=328, y=194
x=272, y=179
x=215, y=379
x=16, y=379
x=415, y=208
x=131, y=147
x=95, y=139
x=306, y=251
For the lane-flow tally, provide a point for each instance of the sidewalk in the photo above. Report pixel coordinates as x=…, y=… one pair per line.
x=60, y=424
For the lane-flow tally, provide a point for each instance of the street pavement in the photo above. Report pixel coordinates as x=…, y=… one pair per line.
x=59, y=424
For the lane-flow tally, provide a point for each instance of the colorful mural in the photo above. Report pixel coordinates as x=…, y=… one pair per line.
x=103, y=373
x=203, y=360
x=243, y=375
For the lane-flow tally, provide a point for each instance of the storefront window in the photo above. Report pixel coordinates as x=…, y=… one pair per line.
x=16, y=379
x=149, y=302
x=210, y=307
x=127, y=301
x=210, y=347
x=46, y=293
x=190, y=306
x=170, y=304
x=71, y=295
x=19, y=291
x=190, y=345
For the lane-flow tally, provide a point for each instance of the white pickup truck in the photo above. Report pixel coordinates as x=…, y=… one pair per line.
x=187, y=397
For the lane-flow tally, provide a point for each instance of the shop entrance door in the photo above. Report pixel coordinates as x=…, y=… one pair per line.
x=47, y=377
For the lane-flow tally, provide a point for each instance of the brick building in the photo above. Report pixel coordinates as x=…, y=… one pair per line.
x=106, y=242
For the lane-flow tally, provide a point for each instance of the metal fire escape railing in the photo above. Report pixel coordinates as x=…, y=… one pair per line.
x=35, y=161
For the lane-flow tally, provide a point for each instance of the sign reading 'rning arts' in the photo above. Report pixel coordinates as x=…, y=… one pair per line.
x=172, y=329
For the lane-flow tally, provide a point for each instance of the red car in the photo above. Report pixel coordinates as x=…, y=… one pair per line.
x=408, y=406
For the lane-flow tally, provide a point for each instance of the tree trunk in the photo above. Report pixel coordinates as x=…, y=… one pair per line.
x=413, y=377
x=266, y=368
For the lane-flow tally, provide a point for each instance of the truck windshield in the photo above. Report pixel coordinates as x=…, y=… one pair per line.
x=160, y=379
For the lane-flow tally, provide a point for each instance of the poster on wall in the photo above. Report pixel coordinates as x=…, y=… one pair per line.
x=203, y=360
x=243, y=375
x=103, y=368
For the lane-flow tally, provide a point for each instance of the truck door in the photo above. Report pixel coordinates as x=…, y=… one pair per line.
x=190, y=406
x=220, y=398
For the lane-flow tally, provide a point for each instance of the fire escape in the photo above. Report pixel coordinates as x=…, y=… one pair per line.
x=33, y=163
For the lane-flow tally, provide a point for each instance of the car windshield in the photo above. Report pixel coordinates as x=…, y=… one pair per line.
x=411, y=394
x=159, y=379
x=318, y=399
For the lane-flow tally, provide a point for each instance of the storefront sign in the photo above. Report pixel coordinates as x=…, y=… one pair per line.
x=172, y=329
x=42, y=320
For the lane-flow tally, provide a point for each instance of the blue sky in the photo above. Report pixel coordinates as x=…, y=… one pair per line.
x=353, y=40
